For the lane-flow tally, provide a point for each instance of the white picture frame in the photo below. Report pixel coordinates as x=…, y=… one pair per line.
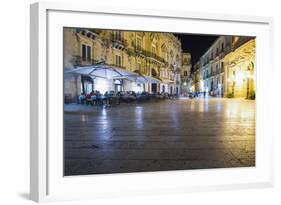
x=47, y=182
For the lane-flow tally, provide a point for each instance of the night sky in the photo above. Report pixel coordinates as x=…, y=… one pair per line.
x=196, y=44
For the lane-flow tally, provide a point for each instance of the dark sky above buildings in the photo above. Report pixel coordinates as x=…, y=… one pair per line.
x=196, y=44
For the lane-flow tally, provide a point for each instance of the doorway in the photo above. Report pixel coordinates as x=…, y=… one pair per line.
x=153, y=87
x=117, y=86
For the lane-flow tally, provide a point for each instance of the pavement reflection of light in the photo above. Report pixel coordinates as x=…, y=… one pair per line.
x=159, y=136
x=84, y=118
x=247, y=114
x=218, y=107
x=104, y=113
x=139, y=117
x=192, y=105
x=234, y=110
x=206, y=105
x=201, y=106
x=175, y=118
x=105, y=122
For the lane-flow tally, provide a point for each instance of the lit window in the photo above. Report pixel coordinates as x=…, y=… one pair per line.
x=86, y=52
x=139, y=44
x=117, y=35
x=138, y=67
x=222, y=67
x=118, y=60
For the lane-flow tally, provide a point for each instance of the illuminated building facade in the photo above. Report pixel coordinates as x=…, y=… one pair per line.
x=226, y=69
x=240, y=68
x=197, y=78
x=148, y=53
x=213, y=68
x=185, y=74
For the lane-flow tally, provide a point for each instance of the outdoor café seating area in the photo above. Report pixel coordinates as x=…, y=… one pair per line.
x=105, y=76
x=111, y=98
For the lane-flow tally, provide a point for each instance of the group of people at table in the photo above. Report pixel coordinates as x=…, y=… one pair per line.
x=114, y=98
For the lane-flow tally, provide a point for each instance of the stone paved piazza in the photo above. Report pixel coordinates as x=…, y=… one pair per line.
x=167, y=135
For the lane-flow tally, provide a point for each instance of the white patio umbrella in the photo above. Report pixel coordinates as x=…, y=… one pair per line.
x=141, y=78
x=103, y=71
x=147, y=79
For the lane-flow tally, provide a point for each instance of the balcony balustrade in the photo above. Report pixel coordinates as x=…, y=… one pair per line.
x=80, y=61
x=118, y=42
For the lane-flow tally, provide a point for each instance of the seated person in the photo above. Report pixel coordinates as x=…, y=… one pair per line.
x=81, y=98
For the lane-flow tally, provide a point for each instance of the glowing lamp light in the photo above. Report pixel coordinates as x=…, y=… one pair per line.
x=184, y=83
x=239, y=78
x=101, y=85
x=136, y=87
x=201, y=84
x=249, y=75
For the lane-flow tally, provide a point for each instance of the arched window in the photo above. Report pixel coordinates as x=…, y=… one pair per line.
x=117, y=85
x=153, y=72
x=117, y=82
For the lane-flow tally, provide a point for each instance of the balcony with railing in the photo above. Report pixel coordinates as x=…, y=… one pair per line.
x=152, y=56
x=80, y=61
x=139, y=50
x=222, y=53
x=171, y=77
x=118, y=42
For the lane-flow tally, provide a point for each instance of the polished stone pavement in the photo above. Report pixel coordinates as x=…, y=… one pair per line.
x=166, y=135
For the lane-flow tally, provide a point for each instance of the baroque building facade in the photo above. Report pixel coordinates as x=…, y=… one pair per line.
x=197, y=78
x=148, y=53
x=212, y=67
x=227, y=68
x=185, y=73
x=240, y=68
